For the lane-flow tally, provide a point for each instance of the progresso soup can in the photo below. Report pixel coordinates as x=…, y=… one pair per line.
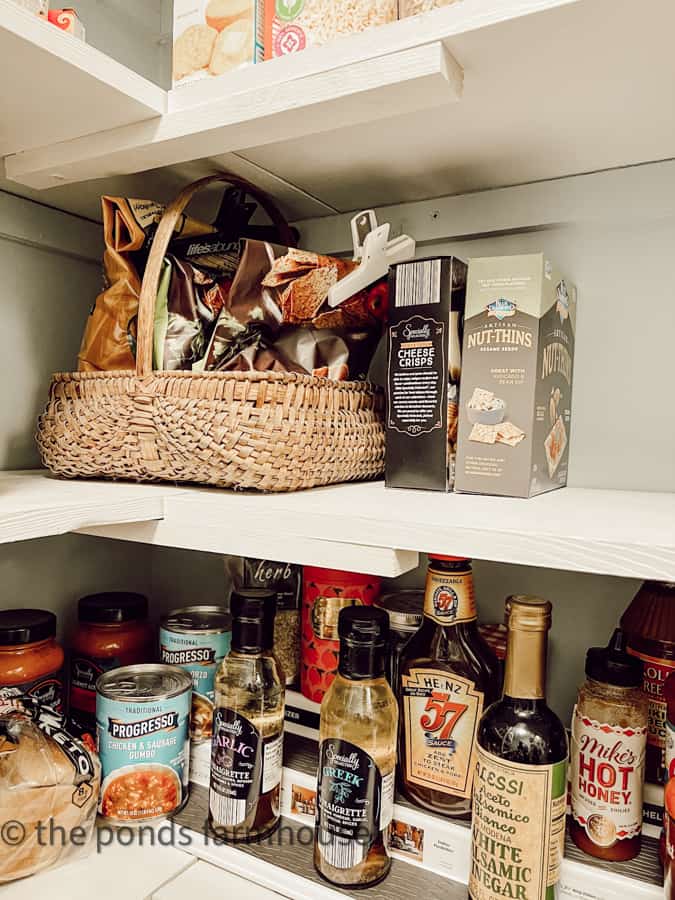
x=196, y=638
x=142, y=725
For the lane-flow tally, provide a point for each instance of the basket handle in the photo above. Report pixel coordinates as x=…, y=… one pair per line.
x=160, y=244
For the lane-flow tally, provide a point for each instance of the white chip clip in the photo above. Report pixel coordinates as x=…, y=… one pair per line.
x=376, y=253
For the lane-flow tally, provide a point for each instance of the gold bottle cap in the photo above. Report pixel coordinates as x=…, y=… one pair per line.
x=526, y=612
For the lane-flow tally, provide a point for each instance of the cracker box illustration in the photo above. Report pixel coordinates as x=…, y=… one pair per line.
x=516, y=391
x=212, y=37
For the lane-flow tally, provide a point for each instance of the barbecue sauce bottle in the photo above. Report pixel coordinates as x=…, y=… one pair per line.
x=520, y=786
x=246, y=750
x=357, y=756
x=447, y=675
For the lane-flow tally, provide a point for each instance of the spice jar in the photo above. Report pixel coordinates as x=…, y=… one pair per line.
x=31, y=662
x=112, y=631
x=324, y=593
x=609, y=740
x=285, y=579
x=404, y=609
x=649, y=624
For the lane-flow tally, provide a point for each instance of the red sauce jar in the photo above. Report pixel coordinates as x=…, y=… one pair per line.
x=112, y=631
x=649, y=624
x=324, y=593
x=31, y=662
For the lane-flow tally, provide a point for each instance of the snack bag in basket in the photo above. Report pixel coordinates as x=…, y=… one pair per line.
x=275, y=316
x=109, y=340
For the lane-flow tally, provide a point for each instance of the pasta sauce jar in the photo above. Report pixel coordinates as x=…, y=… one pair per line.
x=112, y=631
x=142, y=723
x=31, y=662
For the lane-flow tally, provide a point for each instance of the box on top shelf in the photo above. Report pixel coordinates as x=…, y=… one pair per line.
x=517, y=364
x=424, y=340
x=212, y=37
x=292, y=25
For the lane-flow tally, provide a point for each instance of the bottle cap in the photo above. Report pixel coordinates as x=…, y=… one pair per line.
x=404, y=609
x=526, y=612
x=26, y=626
x=112, y=608
x=612, y=665
x=253, y=611
x=364, y=633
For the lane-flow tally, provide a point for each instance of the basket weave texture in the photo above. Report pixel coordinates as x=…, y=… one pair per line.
x=259, y=430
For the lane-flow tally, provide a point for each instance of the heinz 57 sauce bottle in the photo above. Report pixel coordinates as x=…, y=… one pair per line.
x=447, y=674
x=519, y=791
x=248, y=720
x=357, y=756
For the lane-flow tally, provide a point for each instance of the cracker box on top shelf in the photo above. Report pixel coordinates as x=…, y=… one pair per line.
x=39, y=7
x=212, y=37
x=517, y=363
x=424, y=340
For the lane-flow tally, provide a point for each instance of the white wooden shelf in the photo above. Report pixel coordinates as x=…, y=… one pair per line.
x=362, y=527
x=33, y=505
x=370, y=528
x=379, y=117
x=57, y=88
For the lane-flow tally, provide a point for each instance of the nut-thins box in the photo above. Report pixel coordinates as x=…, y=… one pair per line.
x=517, y=363
x=424, y=341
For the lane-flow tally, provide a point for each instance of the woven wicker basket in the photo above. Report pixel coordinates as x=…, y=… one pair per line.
x=260, y=430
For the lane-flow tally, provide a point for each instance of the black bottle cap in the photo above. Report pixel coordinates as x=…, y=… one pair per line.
x=112, y=608
x=253, y=611
x=26, y=626
x=364, y=635
x=612, y=665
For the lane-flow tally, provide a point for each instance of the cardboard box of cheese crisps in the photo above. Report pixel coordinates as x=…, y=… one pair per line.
x=516, y=389
x=212, y=37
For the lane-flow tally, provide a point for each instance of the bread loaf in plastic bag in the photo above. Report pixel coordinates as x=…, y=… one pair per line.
x=49, y=784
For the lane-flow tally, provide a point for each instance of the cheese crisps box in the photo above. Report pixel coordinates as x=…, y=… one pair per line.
x=518, y=354
x=424, y=337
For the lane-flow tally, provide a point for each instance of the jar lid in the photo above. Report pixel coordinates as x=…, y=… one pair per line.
x=26, y=626
x=651, y=614
x=612, y=665
x=112, y=608
x=404, y=608
x=443, y=558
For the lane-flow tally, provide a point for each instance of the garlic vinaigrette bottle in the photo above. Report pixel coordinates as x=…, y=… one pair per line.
x=357, y=756
x=248, y=721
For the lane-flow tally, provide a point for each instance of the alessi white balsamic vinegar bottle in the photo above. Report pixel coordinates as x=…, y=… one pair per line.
x=248, y=720
x=520, y=786
x=357, y=756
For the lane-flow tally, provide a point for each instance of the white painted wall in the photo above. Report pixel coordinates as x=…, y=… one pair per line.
x=134, y=33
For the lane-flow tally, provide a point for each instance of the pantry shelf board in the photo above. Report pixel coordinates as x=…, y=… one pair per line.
x=258, y=534
x=361, y=122
x=33, y=505
x=626, y=533
x=284, y=860
x=344, y=97
x=62, y=88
